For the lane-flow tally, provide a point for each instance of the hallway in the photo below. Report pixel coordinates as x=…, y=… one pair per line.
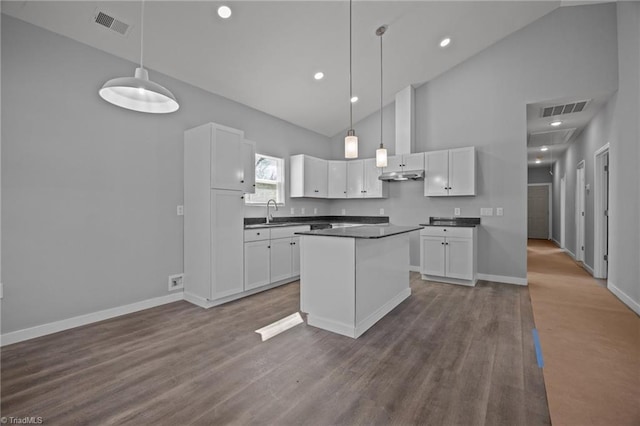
x=590, y=342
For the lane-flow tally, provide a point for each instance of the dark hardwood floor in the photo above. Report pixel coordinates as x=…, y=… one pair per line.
x=448, y=355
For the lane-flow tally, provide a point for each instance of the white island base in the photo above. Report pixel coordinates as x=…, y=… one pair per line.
x=348, y=284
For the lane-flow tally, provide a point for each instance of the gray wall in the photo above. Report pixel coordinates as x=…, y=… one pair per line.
x=482, y=102
x=624, y=157
x=539, y=175
x=592, y=138
x=89, y=190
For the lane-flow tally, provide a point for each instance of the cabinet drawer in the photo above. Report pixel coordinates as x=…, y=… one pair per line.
x=287, y=231
x=444, y=231
x=257, y=234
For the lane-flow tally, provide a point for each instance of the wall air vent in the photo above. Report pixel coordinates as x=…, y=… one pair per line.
x=554, y=110
x=552, y=137
x=107, y=20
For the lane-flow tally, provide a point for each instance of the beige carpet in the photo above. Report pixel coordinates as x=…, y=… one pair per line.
x=590, y=343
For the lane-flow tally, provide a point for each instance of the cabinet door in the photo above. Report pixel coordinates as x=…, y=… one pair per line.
x=315, y=177
x=249, y=167
x=462, y=171
x=355, y=179
x=394, y=164
x=413, y=161
x=295, y=256
x=337, y=179
x=372, y=185
x=432, y=256
x=459, y=258
x=227, y=167
x=280, y=259
x=436, y=179
x=227, y=239
x=256, y=264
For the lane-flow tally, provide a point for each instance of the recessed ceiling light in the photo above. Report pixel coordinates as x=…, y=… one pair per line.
x=445, y=42
x=538, y=161
x=319, y=75
x=354, y=99
x=544, y=148
x=556, y=123
x=224, y=12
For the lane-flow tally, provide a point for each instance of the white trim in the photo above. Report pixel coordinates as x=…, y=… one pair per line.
x=556, y=242
x=447, y=280
x=550, y=206
x=502, y=279
x=66, y=324
x=379, y=313
x=413, y=268
x=580, y=208
x=626, y=299
x=563, y=212
x=599, y=198
x=588, y=268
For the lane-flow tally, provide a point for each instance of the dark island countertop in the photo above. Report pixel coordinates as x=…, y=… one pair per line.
x=364, y=231
x=260, y=222
x=453, y=222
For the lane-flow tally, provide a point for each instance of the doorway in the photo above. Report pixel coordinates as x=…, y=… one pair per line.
x=563, y=212
x=580, y=211
x=539, y=211
x=601, y=213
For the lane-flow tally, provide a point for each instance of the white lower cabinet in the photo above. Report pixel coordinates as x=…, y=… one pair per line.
x=448, y=255
x=271, y=255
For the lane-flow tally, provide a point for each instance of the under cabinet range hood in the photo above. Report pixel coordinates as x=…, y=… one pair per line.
x=405, y=125
x=402, y=175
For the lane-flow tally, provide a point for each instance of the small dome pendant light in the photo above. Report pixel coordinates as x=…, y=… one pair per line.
x=381, y=153
x=138, y=93
x=351, y=140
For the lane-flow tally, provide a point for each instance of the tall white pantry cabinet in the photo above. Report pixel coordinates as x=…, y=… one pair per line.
x=219, y=169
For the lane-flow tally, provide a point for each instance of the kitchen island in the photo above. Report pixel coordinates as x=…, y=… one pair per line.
x=351, y=277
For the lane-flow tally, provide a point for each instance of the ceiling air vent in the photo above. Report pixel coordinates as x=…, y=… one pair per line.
x=553, y=110
x=552, y=137
x=109, y=21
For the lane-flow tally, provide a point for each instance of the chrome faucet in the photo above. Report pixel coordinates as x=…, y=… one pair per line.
x=269, y=215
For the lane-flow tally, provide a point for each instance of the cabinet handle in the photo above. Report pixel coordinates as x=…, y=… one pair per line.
x=445, y=229
x=268, y=246
x=242, y=181
x=446, y=244
x=442, y=243
x=242, y=197
x=254, y=185
x=258, y=233
x=315, y=190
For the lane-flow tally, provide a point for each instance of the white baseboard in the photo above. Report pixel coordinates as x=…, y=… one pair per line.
x=503, y=279
x=588, y=268
x=379, y=313
x=556, y=242
x=207, y=303
x=632, y=304
x=570, y=253
x=66, y=324
x=413, y=268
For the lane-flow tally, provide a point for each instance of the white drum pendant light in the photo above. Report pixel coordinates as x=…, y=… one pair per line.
x=138, y=93
x=351, y=140
x=381, y=153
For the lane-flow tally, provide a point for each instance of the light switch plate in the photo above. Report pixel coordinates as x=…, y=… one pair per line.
x=344, y=211
x=180, y=210
x=302, y=210
x=381, y=211
x=293, y=211
x=315, y=210
x=499, y=211
x=456, y=211
x=486, y=211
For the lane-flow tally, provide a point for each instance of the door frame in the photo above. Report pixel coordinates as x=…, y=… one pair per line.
x=600, y=191
x=580, y=208
x=549, y=206
x=563, y=212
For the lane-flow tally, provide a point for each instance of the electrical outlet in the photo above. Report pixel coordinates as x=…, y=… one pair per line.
x=456, y=211
x=1, y=291
x=293, y=211
x=180, y=210
x=499, y=211
x=486, y=211
x=381, y=212
x=302, y=210
x=344, y=211
x=176, y=282
x=315, y=210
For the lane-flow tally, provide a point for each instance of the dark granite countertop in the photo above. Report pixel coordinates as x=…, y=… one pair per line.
x=453, y=222
x=369, y=232
x=260, y=222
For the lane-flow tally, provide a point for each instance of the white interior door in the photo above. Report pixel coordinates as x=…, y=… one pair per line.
x=580, y=212
x=538, y=212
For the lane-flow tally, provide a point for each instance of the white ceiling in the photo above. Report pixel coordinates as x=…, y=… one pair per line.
x=266, y=54
x=539, y=129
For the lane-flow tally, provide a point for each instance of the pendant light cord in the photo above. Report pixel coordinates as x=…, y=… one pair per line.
x=141, y=34
x=350, y=68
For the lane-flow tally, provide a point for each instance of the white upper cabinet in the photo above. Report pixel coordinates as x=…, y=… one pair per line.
x=227, y=165
x=450, y=172
x=249, y=167
x=362, y=180
x=308, y=177
x=337, y=179
x=399, y=163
